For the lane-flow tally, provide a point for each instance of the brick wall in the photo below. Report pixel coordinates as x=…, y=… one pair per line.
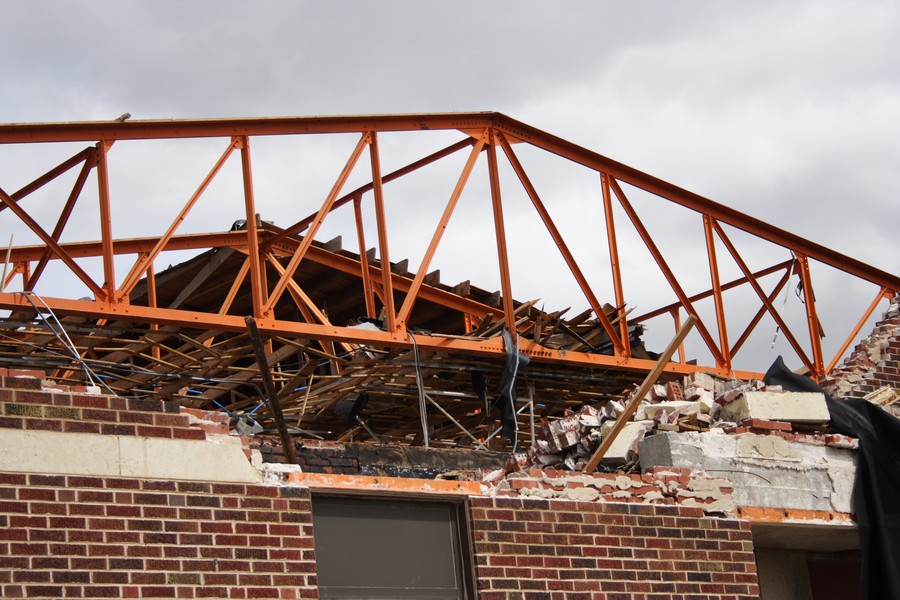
x=874, y=362
x=64, y=536
x=27, y=401
x=529, y=549
x=89, y=537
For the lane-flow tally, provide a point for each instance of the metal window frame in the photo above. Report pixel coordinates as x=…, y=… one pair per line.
x=462, y=530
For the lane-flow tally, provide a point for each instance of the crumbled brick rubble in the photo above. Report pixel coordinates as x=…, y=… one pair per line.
x=873, y=368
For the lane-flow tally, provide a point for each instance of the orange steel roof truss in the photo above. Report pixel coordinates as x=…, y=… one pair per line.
x=259, y=269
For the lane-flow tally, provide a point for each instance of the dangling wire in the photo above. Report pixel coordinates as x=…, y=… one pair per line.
x=421, y=387
x=784, y=302
x=67, y=343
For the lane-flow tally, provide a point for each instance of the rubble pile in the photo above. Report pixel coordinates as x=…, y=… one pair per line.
x=871, y=370
x=701, y=402
x=660, y=485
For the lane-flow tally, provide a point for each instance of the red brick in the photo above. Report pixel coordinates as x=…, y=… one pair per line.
x=45, y=508
x=117, y=429
x=158, y=592
x=123, y=484
x=62, y=399
x=34, y=397
x=135, y=418
x=12, y=479
x=37, y=494
x=213, y=428
x=159, y=432
x=47, y=591
x=67, y=523
x=189, y=434
x=100, y=402
x=12, y=423
x=273, y=492
x=81, y=427
x=43, y=425
x=168, y=420
x=766, y=424
x=114, y=510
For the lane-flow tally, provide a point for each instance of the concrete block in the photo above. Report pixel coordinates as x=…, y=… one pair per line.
x=125, y=456
x=767, y=471
x=620, y=451
x=649, y=410
x=707, y=402
x=795, y=407
x=706, y=381
x=657, y=392
x=612, y=410
x=156, y=458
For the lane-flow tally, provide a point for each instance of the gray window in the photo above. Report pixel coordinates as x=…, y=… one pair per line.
x=373, y=548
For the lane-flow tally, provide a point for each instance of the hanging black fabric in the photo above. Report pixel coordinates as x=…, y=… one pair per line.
x=876, y=490
x=515, y=363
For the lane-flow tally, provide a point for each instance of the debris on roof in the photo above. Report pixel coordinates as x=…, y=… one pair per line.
x=320, y=383
x=706, y=403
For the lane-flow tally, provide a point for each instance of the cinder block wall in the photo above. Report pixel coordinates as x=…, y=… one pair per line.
x=534, y=549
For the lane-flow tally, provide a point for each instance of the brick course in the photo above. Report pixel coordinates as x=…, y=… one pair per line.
x=31, y=403
x=530, y=549
x=82, y=537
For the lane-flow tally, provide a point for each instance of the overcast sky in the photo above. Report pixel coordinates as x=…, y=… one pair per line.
x=787, y=111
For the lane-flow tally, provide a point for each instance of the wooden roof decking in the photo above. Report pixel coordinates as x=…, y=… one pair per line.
x=216, y=369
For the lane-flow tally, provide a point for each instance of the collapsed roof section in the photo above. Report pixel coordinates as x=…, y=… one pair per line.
x=354, y=347
x=324, y=385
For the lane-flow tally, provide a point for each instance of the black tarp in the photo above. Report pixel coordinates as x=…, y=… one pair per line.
x=876, y=490
x=515, y=363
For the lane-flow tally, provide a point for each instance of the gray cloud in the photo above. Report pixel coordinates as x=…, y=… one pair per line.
x=786, y=111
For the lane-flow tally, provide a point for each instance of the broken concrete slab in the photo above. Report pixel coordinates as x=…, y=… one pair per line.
x=54, y=452
x=795, y=407
x=621, y=450
x=767, y=470
x=648, y=411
